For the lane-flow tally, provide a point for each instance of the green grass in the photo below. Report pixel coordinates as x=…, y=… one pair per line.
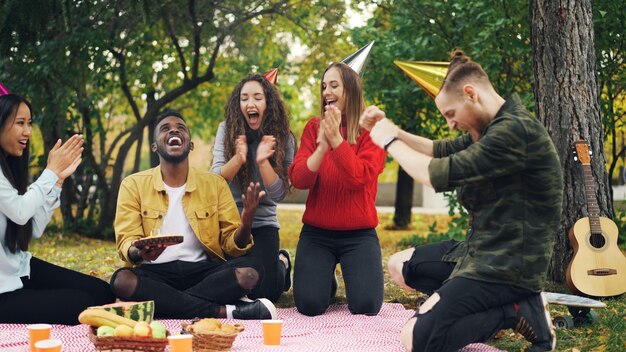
x=99, y=258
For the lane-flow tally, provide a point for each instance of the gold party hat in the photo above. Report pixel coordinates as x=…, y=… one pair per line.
x=428, y=74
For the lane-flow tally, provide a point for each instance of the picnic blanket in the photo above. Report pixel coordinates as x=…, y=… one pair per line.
x=337, y=330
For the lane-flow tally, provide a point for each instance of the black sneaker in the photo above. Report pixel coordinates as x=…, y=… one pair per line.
x=286, y=254
x=260, y=308
x=535, y=324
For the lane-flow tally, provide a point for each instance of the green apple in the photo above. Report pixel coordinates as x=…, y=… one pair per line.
x=105, y=331
x=158, y=330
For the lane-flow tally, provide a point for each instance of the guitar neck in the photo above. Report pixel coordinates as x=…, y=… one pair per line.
x=592, y=201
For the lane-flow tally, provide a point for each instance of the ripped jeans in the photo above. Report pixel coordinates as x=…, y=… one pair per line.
x=465, y=311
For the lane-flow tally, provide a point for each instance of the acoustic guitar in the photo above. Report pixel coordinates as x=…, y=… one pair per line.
x=598, y=267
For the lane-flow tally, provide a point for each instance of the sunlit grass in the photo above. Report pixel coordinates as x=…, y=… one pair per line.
x=99, y=258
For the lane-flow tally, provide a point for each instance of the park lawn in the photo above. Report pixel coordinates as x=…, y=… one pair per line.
x=99, y=258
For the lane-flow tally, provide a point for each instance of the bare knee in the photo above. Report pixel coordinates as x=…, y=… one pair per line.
x=247, y=277
x=429, y=303
x=406, y=336
x=395, y=265
x=124, y=283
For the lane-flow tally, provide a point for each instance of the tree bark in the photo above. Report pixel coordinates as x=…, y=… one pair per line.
x=404, y=199
x=566, y=95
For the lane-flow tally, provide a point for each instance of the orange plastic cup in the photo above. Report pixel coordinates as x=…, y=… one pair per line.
x=180, y=343
x=48, y=346
x=272, y=330
x=38, y=332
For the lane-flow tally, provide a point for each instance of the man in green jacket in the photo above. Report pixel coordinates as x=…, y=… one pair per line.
x=508, y=176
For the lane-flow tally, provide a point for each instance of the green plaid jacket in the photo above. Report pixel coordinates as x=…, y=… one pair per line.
x=511, y=183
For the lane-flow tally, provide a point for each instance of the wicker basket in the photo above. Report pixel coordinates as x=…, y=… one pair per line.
x=213, y=342
x=126, y=344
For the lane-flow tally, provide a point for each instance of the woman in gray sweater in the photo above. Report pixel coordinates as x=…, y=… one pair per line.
x=254, y=143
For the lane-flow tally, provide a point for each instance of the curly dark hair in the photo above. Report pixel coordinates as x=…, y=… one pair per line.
x=275, y=123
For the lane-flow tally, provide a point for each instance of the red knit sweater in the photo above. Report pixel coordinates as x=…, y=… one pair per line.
x=342, y=192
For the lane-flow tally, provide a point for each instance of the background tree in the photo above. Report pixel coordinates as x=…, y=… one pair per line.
x=495, y=34
x=566, y=91
x=107, y=69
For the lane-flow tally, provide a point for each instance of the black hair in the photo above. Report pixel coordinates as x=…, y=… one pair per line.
x=165, y=114
x=15, y=169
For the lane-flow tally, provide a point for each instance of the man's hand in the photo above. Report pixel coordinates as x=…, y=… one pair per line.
x=251, y=201
x=382, y=131
x=370, y=116
x=145, y=253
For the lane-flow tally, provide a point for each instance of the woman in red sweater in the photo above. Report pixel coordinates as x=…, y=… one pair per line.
x=339, y=165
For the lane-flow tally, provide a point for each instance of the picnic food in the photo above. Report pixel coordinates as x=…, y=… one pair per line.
x=99, y=317
x=211, y=325
x=138, y=311
x=210, y=334
x=142, y=329
x=163, y=240
x=122, y=330
x=158, y=330
x=105, y=331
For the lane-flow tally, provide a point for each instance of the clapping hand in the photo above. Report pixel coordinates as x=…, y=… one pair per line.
x=322, y=142
x=63, y=159
x=265, y=149
x=241, y=149
x=332, y=123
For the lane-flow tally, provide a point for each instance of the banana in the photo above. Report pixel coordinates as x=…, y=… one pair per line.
x=100, y=317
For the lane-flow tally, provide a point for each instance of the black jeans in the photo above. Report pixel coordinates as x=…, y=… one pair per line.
x=186, y=290
x=468, y=310
x=53, y=294
x=265, y=250
x=359, y=254
x=425, y=271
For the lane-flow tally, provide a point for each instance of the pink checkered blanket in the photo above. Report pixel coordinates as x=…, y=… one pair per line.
x=337, y=330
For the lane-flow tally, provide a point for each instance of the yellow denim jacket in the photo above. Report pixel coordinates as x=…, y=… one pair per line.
x=211, y=210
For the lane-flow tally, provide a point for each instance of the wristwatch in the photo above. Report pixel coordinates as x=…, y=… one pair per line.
x=388, y=142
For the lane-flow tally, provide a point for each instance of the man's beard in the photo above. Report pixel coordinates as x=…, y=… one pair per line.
x=174, y=159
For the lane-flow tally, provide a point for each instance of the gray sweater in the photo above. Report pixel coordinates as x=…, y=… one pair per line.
x=266, y=212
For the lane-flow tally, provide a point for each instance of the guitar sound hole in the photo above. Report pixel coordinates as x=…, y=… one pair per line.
x=597, y=240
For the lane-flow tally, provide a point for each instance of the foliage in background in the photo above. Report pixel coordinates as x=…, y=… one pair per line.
x=609, y=28
x=107, y=69
x=495, y=34
x=457, y=226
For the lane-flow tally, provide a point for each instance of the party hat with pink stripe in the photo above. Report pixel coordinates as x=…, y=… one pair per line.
x=3, y=89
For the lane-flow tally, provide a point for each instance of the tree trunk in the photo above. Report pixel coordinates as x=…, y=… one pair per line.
x=404, y=200
x=566, y=95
